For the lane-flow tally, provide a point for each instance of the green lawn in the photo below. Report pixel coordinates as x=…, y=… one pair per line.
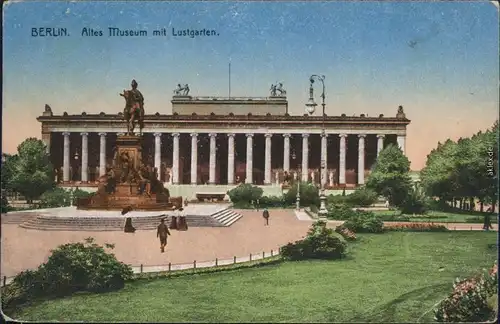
x=439, y=216
x=392, y=277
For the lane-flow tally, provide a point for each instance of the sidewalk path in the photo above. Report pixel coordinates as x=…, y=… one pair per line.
x=303, y=216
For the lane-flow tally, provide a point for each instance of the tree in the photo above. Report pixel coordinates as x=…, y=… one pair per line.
x=33, y=170
x=390, y=175
x=8, y=164
x=464, y=169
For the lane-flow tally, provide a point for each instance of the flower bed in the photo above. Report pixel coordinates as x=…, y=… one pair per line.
x=470, y=300
x=346, y=233
x=416, y=227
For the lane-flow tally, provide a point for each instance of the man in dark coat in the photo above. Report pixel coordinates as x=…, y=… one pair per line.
x=162, y=233
x=265, y=214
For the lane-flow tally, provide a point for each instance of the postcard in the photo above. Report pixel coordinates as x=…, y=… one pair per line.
x=249, y=161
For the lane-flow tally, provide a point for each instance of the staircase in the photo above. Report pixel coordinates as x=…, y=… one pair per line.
x=227, y=217
x=221, y=218
x=17, y=217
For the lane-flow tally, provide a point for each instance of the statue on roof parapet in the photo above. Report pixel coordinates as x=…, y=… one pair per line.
x=47, y=111
x=401, y=113
x=181, y=90
x=278, y=87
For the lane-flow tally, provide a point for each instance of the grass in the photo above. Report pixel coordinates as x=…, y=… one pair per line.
x=393, y=277
x=439, y=216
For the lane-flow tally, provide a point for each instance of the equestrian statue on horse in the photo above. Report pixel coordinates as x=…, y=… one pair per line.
x=134, y=108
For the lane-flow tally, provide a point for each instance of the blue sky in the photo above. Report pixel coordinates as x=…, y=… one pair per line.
x=434, y=58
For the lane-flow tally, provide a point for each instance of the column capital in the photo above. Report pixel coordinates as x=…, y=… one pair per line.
x=325, y=135
x=66, y=133
x=102, y=134
x=176, y=135
x=194, y=134
x=268, y=135
x=157, y=134
x=361, y=135
x=231, y=135
x=342, y=135
x=250, y=135
x=287, y=135
x=84, y=134
x=212, y=135
x=305, y=135
x=380, y=135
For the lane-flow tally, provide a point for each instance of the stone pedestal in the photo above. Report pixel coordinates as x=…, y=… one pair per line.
x=130, y=144
x=126, y=193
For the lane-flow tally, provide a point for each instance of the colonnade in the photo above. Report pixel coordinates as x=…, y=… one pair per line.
x=231, y=156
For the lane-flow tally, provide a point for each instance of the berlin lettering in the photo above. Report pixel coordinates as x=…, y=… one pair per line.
x=49, y=32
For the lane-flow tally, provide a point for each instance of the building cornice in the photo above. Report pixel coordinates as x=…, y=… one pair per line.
x=230, y=119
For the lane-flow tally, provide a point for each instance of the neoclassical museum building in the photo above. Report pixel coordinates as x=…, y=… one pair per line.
x=223, y=141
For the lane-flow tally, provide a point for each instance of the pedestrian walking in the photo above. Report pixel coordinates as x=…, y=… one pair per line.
x=162, y=233
x=265, y=214
x=487, y=222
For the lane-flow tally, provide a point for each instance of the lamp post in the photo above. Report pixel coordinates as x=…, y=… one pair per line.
x=297, y=201
x=311, y=108
x=75, y=171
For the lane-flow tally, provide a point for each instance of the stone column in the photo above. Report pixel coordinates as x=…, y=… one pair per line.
x=66, y=157
x=212, y=158
x=401, y=139
x=305, y=157
x=324, y=155
x=267, y=165
x=102, y=154
x=286, y=152
x=85, y=157
x=194, y=158
x=380, y=143
x=230, y=158
x=361, y=159
x=342, y=155
x=249, y=166
x=158, y=153
x=175, y=158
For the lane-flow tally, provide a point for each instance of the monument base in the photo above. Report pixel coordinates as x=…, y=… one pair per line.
x=125, y=194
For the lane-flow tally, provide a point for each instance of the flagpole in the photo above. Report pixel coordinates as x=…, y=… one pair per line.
x=230, y=80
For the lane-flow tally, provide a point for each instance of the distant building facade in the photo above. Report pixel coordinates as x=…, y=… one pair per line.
x=225, y=141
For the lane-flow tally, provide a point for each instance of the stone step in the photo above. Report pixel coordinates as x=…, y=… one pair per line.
x=227, y=217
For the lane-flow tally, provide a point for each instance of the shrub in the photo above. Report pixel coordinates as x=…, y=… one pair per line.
x=416, y=227
x=362, y=197
x=309, y=195
x=470, y=300
x=70, y=268
x=364, y=222
x=4, y=208
x=340, y=212
x=245, y=193
x=320, y=243
x=415, y=203
x=394, y=218
x=336, y=200
x=78, y=193
x=272, y=201
x=346, y=233
x=57, y=197
x=243, y=205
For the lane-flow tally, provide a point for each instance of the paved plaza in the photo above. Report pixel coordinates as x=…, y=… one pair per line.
x=26, y=249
